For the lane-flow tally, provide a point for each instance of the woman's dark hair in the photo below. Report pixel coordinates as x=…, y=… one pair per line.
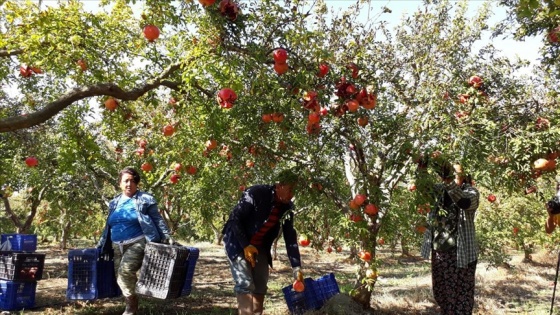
x=554, y=205
x=131, y=171
x=443, y=169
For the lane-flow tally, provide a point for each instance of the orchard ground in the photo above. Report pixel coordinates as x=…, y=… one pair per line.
x=403, y=287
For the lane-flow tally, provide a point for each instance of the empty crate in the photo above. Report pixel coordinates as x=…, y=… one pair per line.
x=19, y=266
x=21, y=242
x=163, y=271
x=191, y=264
x=91, y=275
x=313, y=297
x=15, y=295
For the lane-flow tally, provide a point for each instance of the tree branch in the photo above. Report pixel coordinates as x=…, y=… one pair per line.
x=79, y=93
x=8, y=53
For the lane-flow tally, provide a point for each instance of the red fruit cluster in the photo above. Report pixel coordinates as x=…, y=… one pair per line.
x=275, y=117
x=352, y=97
x=226, y=98
x=211, y=144
x=310, y=102
x=542, y=123
x=357, y=202
x=142, y=143
x=111, y=104
x=476, y=92
x=359, y=199
x=298, y=286
x=168, y=130
x=146, y=167
x=544, y=164
x=355, y=69
x=191, y=170
x=363, y=121
x=28, y=71
x=174, y=179
x=229, y=9
x=82, y=64
x=356, y=218
x=207, y=3
x=280, y=56
x=345, y=89
x=304, y=241
x=225, y=152
x=475, y=81
x=423, y=209
x=323, y=70
x=553, y=35
x=365, y=255
x=371, y=209
x=31, y=161
x=177, y=167
x=151, y=32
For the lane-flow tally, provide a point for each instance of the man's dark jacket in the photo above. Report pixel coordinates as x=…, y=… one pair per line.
x=250, y=214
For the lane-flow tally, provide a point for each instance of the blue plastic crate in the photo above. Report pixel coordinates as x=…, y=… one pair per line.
x=326, y=287
x=91, y=275
x=191, y=264
x=15, y=295
x=313, y=297
x=21, y=242
x=300, y=302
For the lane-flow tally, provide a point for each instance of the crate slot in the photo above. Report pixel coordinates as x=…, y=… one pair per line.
x=163, y=271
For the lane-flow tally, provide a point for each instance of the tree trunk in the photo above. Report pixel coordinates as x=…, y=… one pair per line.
x=404, y=248
x=350, y=168
x=65, y=234
x=217, y=235
x=11, y=214
x=361, y=294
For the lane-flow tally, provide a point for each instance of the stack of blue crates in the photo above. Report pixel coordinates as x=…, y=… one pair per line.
x=91, y=275
x=316, y=293
x=20, y=269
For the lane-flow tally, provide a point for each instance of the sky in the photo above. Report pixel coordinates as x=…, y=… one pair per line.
x=528, y=50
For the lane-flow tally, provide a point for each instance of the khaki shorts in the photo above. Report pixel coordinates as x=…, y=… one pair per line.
x=247, y=279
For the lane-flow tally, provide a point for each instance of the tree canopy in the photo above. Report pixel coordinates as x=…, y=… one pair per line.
x=208, y=99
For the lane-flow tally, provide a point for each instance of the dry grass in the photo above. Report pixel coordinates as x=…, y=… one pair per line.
x=523, y=288
x=404, y=287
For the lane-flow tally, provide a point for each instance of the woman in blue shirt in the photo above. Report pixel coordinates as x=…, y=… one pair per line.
x=133, y=220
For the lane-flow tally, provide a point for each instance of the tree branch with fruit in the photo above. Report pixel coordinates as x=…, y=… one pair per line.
x=80, y=93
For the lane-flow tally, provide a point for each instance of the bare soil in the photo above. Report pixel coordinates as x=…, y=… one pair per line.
x=403, y=287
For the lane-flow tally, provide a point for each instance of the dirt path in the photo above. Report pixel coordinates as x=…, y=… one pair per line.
x=404, y=286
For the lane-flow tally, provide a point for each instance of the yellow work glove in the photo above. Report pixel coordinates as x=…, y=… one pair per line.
x=298, y=275
x=298, y=284
x=250, y=254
